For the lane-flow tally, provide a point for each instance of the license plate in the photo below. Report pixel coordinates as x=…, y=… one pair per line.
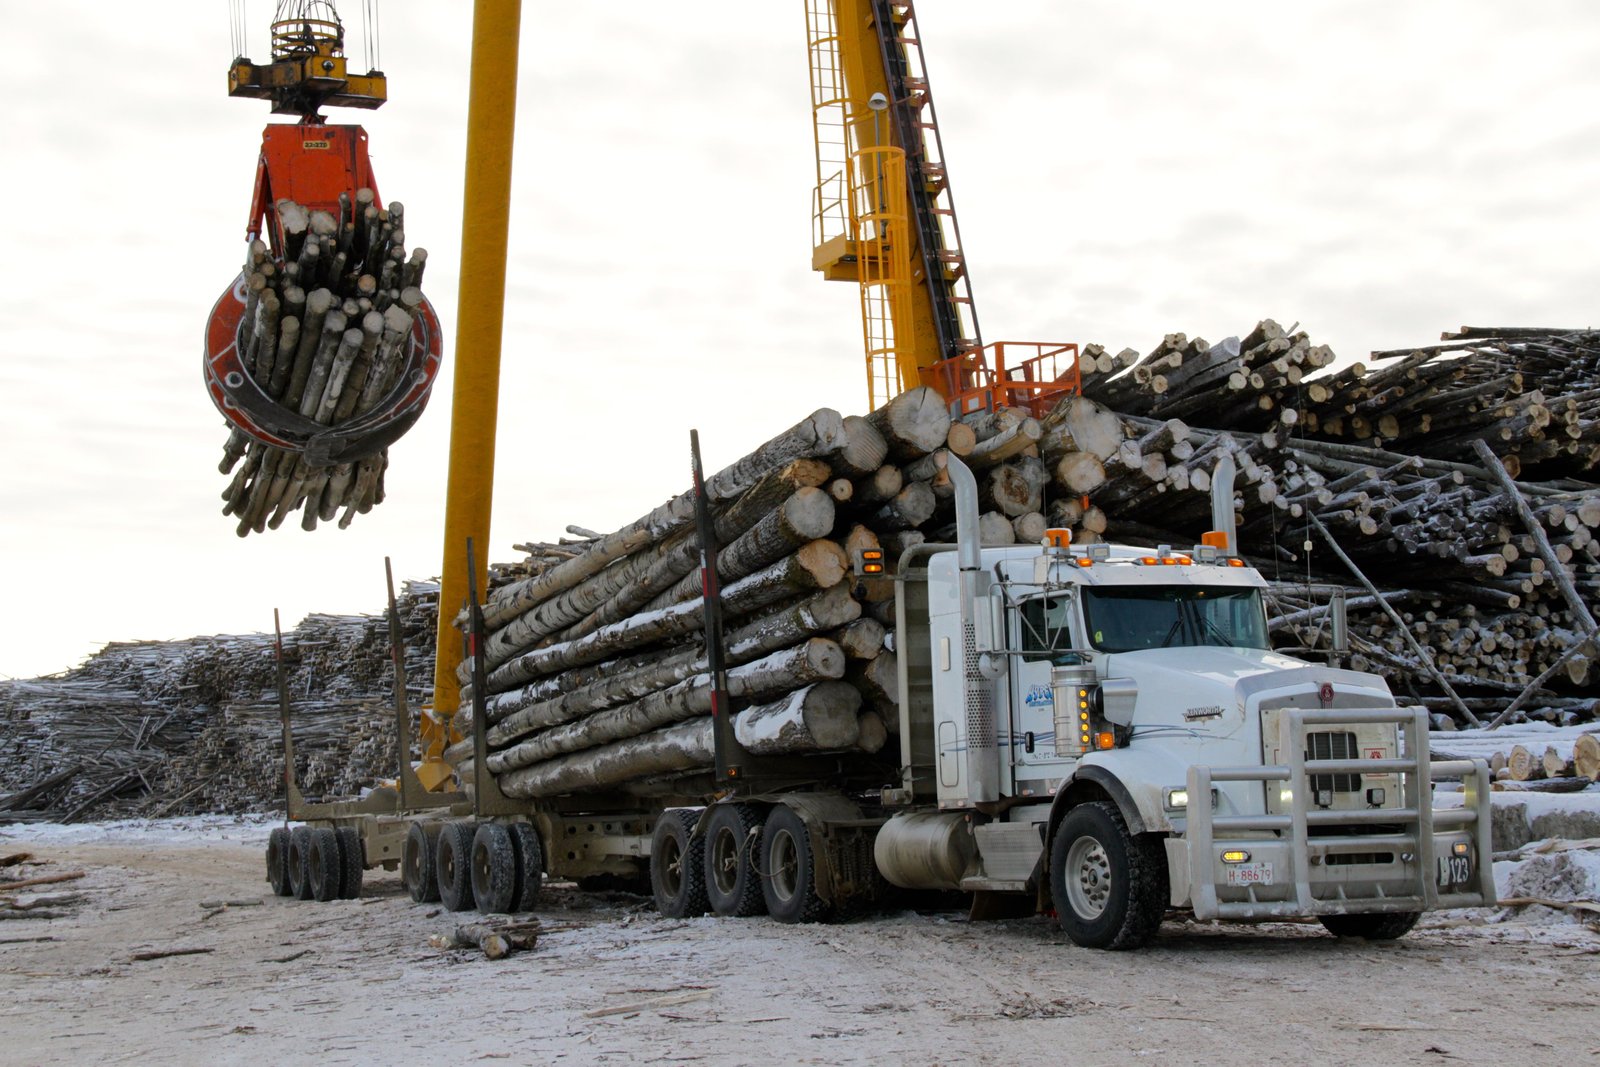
x=1455, y=870
x=1249, y=874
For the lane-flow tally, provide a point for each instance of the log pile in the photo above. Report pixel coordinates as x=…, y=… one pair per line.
x=185, y=727
x=324, y=334
x=1496, y=581
x=1530, y=393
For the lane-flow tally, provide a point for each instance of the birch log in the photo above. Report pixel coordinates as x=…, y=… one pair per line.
x=822, y=717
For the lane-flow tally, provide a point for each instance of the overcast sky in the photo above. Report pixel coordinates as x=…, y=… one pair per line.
x=1376, y=171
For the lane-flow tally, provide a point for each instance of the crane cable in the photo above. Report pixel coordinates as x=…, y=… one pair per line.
x=237, y=21
x=369, y=33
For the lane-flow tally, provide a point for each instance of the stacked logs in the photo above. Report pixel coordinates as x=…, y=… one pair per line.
x=596, y=668
x=324, y=333
x=182, y=727
x=1497, y=581
x=1529, y=393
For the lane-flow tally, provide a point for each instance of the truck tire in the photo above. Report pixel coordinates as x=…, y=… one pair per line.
x=789, y=870
x=677, y=865
x=299, y=869
x=494, y=869
x=732, y=851
x=453, y=865
x=353, y=859
x=1109, y=886
x=323, y=862
x=1382, y=927
x=530, y=865
x=278, y=861
x=418, y=864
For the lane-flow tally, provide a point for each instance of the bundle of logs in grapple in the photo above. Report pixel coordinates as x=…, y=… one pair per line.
x=324, y=334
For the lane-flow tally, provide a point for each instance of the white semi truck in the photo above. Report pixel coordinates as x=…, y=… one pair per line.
x=1108, y=728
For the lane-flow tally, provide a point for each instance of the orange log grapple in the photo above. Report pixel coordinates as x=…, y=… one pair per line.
x=314, y=183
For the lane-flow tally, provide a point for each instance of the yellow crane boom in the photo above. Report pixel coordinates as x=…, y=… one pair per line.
x=884, y=217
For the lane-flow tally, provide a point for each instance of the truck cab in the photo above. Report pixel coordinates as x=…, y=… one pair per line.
x=1107, y=727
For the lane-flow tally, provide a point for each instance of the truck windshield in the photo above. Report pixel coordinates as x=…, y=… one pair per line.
x=1131, y=618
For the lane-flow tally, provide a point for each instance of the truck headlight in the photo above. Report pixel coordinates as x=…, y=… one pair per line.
x=1177, y=799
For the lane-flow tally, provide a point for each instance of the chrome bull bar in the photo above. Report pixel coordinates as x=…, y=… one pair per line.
x=1209, y=834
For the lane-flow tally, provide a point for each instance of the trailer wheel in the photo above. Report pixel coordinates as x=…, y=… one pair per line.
x=353, y=860
x=453, y=864
x=677, y=865
x=1109, y=886
x=789, y=870
x=732, y=852
x=494, y=869
x=418, y=863
x=325, y=867
x=278, y=861
x=530, y=865
x=299, y=868
x=1382, y=927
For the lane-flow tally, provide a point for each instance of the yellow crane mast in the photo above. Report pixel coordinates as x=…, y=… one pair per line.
x=884, y=217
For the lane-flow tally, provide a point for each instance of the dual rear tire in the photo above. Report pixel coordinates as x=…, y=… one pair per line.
x=315, y=863
x=745, y=862
x=495, y=867
x=507, y=867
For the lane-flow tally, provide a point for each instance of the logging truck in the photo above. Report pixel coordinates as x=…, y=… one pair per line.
x=1101, y=731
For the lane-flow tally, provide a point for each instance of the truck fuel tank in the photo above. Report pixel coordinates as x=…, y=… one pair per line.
x=925, y=850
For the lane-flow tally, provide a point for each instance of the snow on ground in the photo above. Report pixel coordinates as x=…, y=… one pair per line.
x=191, y=831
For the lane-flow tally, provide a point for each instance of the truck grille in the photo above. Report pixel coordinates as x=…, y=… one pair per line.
x=1329, y=745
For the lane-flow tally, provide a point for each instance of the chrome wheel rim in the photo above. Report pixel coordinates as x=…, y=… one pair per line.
x=1088, y=878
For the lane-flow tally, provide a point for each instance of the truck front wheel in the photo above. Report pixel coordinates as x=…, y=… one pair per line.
x=1380, y=927
x=1109, y=886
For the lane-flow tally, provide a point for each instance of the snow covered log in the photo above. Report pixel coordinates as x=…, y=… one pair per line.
x=822, y=717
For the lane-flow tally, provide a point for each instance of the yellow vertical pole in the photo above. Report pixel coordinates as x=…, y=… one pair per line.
x=861, y=60
x=480, y=315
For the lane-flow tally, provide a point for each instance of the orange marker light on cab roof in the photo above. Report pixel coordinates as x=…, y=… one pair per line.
x=1217, y=539
x=1057, y=537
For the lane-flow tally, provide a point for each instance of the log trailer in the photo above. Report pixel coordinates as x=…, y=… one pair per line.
x=1098, y=731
